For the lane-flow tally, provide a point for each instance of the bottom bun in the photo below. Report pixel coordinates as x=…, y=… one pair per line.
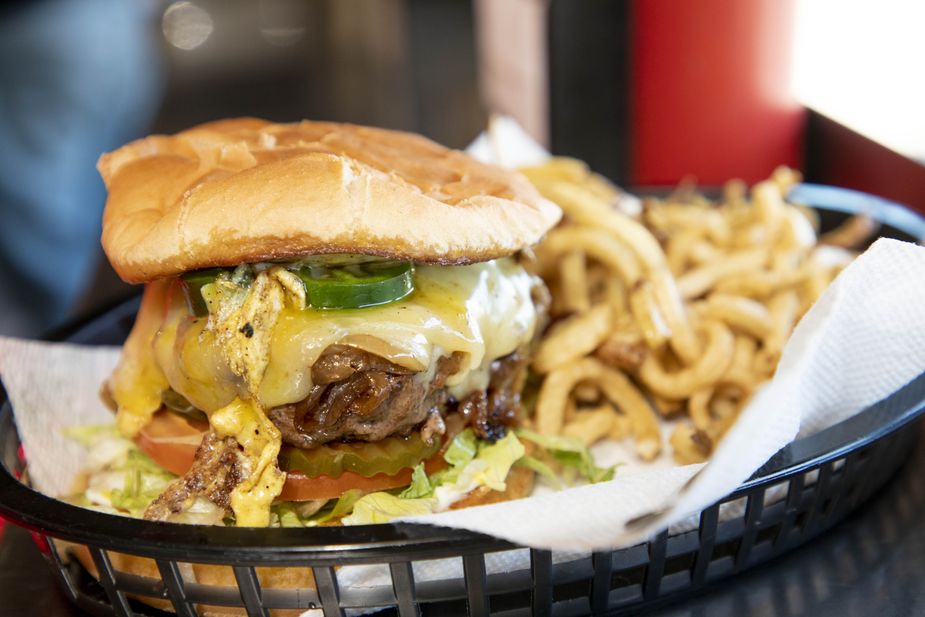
x=519, y=484
x=203, y=574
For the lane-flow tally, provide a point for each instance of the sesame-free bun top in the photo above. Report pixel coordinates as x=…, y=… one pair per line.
x=246, y=190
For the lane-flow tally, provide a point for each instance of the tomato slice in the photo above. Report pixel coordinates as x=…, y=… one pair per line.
x=300, y=487
x=171, y=441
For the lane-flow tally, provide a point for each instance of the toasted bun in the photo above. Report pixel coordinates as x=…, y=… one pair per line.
x=519, y=484
x=246, y=190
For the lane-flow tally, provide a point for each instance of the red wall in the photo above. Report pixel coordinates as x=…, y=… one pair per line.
x=710, y=87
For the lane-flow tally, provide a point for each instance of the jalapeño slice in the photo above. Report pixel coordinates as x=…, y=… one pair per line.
x=193, y=282
x=361, y=284
x=388, y=456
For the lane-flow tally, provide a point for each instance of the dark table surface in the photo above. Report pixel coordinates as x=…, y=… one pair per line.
x=870, y=565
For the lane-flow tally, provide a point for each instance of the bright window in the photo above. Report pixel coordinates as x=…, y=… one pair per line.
x=862, y=63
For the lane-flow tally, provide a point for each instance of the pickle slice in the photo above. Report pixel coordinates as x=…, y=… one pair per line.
x=388, y=456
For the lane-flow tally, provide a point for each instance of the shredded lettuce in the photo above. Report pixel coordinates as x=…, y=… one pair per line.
x=473, y=464
x=314, y=513
x=542, y=469
x=420, y=485
x=463, y=448
x=571, y=453
x=344, y=504
x=382, y=507
x=287, y=515
x=90, y=434
x=144, y=481
x=123, y=477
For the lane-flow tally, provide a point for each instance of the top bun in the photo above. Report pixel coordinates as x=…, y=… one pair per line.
x=246, y=190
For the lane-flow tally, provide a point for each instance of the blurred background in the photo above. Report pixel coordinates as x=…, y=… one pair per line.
x=647, y=91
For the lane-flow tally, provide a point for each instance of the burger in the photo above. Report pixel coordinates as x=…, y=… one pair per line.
x=335, y=323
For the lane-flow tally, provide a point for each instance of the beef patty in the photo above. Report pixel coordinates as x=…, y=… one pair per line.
x=359, y=396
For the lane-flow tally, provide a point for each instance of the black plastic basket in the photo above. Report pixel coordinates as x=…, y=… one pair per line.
x=803, y=490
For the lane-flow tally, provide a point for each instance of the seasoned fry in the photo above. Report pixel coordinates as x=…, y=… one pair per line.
x=769, y=207
x=597, y=244
x=783, y=308
x=592, y=425
x=785, y=178
x=624, y=349
x=708, y=369
x=683, y=338
x=740, y=313
x=645, y=309
x=620, y=427
x=690, y=445
x=698, y=408
x=703, y=252
x=554, y=394
x=666, y=407
x=680, y=250
x=628, y=399
x=761, y=284
x=798, y=232
x=695, y=283
x=587, y=392
x=574, y=283
x=573, y=338
x=741, y=371
x=853, y=233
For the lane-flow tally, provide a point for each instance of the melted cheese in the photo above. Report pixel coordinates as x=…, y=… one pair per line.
x=137, y=382
x=260, y=441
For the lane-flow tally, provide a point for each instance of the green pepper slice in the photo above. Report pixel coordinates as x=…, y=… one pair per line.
x=388, y=456
x=329, y=285
x=193, y=282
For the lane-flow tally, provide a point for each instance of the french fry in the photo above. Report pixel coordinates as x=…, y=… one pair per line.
x=573, y=338
x=785, y=177
x=698, y=281
x=769, y=207
x=645, y=309
x=574, y=283
x=679, y=251
x=798, y=231
x=620, y=427
x=853, y=233
x=624, y=349
x=740, y=313
x=741, y=372
x=554, y=395
x=666, y=407
x=690, y=445
x=590, y=426
x=783, y=309
x=703, y=252
x=707, y=370
x=761, y=284
x=683, y=339
x=587, y=392
x=698, y=408
x=597, y=244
